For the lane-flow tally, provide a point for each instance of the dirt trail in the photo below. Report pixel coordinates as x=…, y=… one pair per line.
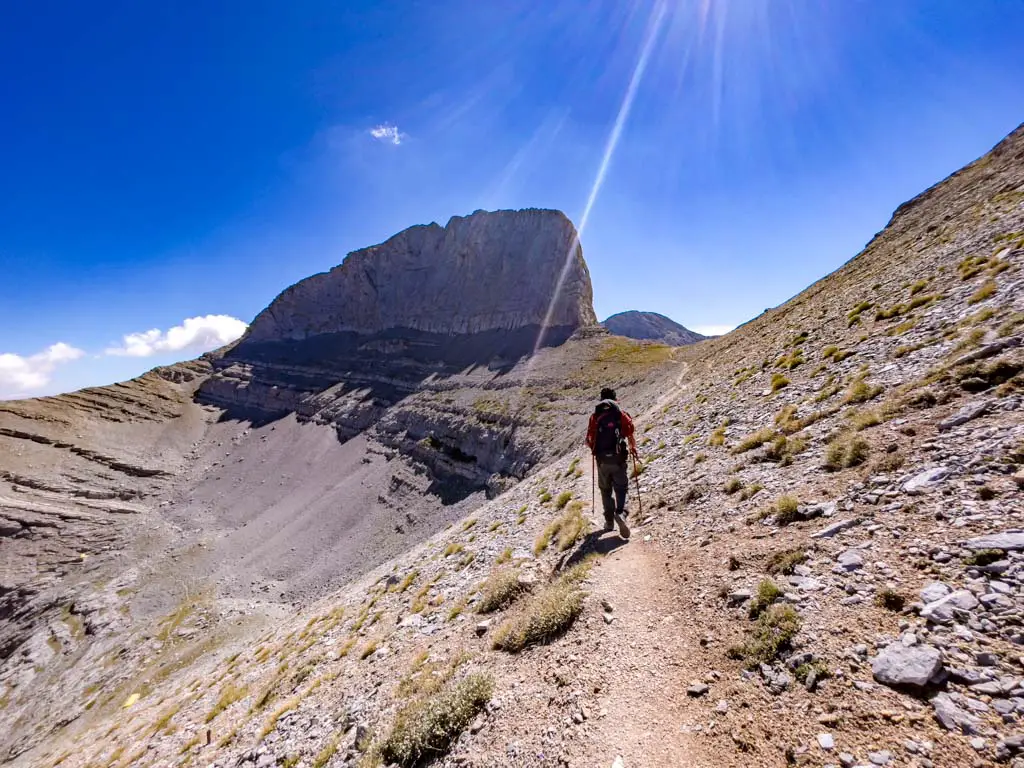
x=643, y=652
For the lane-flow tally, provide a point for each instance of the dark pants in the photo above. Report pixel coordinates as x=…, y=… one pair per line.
x=611, y=475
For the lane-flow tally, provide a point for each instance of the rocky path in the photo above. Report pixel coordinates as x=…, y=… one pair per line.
x=643, y=650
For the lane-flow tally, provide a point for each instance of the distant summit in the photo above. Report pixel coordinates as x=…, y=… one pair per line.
x=651, y=326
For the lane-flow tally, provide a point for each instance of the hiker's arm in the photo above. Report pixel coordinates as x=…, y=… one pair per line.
x=627, y=429
x=591, y=432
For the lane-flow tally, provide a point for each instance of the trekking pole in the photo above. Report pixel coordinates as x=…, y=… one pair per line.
x=593, y=484
x=636, y=479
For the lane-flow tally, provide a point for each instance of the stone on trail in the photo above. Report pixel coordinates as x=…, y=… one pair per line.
x=933, y=591
x=825, y=741
x=943, y=611
x=901, y=665
x=837, y=527
x=952, y=717
x=619, y=762
x=850, y=560
x=697, y=689
x=1007, y=541
x=925, y=481
x=964, y=415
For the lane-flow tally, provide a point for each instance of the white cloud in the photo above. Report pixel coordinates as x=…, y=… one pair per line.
x=195, y=334
x=19, y=374
x=712, y=330
x=387, y=133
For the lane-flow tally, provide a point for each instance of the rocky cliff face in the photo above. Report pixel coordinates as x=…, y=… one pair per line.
x=484, y=272
x=650, y=326
x=398, y=322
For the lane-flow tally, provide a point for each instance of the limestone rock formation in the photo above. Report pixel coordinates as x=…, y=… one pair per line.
x=650, y=326
x=490, y=271
x=417, y=312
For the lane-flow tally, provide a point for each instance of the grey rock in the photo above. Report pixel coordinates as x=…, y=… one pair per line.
x=989, y=350
x=739, y=596
x=952, y=717
x=934, y=591
x=926, y=480
x=850, y=560
x=964, y=415
x=487, y=271
x=882, y=757
x=651, y=326
x=900, y=665
x=697, y=689
x=944, y=611
x=825, y=741
x=1009, y=541
x=836, y=528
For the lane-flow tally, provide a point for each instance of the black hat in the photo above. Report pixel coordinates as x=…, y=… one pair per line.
x=607, y=393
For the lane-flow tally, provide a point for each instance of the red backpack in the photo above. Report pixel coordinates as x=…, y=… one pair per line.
x=609, y=440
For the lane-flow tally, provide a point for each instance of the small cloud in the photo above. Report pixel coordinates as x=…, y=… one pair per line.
x=195, y=334
x=19, y=375
x=713, y=330
x=387, y=133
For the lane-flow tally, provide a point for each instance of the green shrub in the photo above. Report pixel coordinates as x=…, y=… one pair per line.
x=779, y=382
x=425, y=729
x=773, y=633
x=563, y=498
x=732, y=485
x=767, y=593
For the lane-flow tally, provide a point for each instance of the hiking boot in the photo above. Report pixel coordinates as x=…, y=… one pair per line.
x=623, y=528
x=609, y=526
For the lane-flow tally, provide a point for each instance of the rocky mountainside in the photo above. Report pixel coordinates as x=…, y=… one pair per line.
x=650, y=326
x=263, y=476
x=827, y=569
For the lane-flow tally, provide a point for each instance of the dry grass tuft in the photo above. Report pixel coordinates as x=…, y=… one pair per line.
x=229, y=694
x=564, y=530
x=784, y=561
x=845, y=452
x=755, y=440
x=985, y=291
x=500, y=590
x=425, y=729
x=545, y=616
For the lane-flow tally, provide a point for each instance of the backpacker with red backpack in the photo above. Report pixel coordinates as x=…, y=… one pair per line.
x=609, y=440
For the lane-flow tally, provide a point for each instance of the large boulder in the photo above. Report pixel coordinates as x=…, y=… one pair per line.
x=900, y=665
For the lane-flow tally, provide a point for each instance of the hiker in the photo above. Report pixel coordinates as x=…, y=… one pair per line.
x=609, y=432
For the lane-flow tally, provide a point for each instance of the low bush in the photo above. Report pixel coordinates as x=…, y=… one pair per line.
x=500, y=590
x=426, y=728
x=845, y=452
x=773, y=633
x=767, y=593
x=779, y=382
x=784, y=561
x=545, y=616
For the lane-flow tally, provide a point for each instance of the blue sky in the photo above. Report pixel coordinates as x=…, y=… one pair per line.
x=189, y=160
